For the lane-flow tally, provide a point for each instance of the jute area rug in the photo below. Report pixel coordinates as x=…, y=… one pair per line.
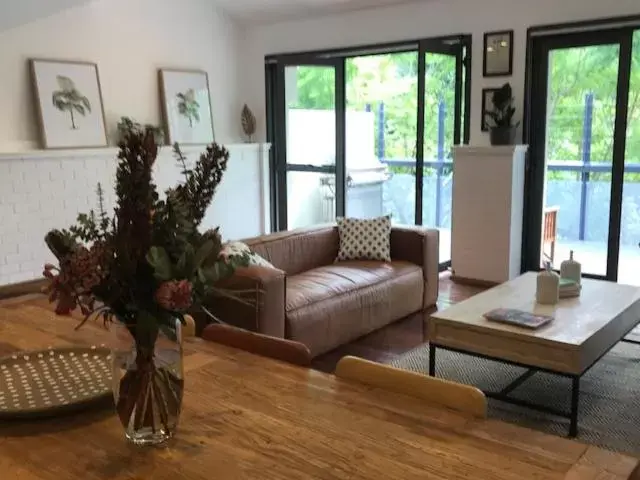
x=609, y=393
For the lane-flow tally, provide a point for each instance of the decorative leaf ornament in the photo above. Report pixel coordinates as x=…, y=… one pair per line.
x=248, y=122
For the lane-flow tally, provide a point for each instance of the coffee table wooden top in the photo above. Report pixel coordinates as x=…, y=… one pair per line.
x=583, y=329
x=247, y=417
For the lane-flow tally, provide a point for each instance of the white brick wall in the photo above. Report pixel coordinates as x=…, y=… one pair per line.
x=47, y=189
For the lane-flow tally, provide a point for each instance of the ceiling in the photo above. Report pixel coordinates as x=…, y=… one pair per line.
x=18, y=12
x=270, y=11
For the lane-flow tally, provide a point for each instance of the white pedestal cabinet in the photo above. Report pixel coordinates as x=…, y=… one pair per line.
x=487, y=209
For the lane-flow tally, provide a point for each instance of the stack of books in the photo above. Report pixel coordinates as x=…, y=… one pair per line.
x=569, y=288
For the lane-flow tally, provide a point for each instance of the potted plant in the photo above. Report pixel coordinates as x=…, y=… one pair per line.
x=141, y=271
x=501, y=127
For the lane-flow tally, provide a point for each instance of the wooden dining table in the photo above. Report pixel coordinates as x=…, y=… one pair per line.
x=249, y=417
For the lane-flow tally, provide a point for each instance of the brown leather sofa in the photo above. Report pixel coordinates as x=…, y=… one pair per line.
x=313, y=300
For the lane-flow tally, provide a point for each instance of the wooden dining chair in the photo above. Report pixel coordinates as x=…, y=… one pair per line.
x=456, y=396
x=550, y=232
x=272, y=347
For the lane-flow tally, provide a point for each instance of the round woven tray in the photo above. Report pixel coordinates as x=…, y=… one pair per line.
x=51, y=382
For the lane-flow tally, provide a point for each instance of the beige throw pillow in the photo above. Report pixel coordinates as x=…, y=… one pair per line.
x=231, y=249
x=365, y=239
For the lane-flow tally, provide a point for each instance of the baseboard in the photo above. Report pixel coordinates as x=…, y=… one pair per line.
x=474, y=282
x=23, y=288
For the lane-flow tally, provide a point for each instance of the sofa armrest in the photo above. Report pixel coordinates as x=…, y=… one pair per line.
x=264, y=310
x=421, y=246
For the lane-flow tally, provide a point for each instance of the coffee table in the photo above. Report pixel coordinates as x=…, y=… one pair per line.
x=583, y=330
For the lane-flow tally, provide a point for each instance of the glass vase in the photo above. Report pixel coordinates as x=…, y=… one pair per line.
x=148, y=384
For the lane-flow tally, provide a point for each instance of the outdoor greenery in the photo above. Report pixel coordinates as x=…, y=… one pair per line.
x=392, y=79
x=574, y=74
x=577, y=77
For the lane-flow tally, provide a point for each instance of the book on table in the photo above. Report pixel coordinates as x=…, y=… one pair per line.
x=519, y=318
x=569, y=288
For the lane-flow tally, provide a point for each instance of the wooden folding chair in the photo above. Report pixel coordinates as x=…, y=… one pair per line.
x=550, y=232
x=456, y=396
x=272, y=347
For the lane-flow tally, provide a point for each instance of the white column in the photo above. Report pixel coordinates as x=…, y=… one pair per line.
x=487, y=212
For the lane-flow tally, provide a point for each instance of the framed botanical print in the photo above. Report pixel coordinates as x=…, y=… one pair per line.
x=498, y=54
x=69, y=103
x=487, y=102
x=186, y=106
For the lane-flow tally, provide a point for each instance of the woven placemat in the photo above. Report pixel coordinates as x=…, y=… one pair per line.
x=54, y=381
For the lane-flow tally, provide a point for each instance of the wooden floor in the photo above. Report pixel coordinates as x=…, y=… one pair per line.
x=385, y=344
x=380, y=346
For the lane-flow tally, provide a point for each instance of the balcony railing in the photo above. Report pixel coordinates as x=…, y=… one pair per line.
x=586, y=220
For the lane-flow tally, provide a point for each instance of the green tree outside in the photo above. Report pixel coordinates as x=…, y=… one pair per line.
x=392, y=79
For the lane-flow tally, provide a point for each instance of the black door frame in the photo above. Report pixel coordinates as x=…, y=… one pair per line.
x=538, y=48
x=455, y=45
x=278, y=136
x=445, y=47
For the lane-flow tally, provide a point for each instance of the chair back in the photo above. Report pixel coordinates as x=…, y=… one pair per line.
x=436, y=391
x=272, y=347
x=550, y=228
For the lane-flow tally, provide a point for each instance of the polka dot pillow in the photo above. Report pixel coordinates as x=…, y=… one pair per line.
x=365, y=239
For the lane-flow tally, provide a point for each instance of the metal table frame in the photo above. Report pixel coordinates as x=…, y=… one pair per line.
x=503, y=395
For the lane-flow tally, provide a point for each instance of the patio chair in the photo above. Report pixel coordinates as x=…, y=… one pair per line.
x=550, y=232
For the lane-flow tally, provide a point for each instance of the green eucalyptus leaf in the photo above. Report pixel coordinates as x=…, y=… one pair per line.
x=159, y=259
x=218, y=271
x=203, y=252
x=181, y=266
x=202, y=278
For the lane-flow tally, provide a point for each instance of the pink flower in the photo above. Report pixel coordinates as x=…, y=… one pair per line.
x=175, y=295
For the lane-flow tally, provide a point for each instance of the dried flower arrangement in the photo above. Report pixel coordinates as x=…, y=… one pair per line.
x=146, y=266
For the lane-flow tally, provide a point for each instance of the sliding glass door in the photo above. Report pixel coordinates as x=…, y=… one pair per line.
x=309, y=123
x=382, y=105
x=629, y=263
x=443, y=123
x=368, y=132
x=585, y=163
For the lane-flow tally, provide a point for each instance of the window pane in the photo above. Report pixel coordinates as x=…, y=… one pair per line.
x=629, y=263
x=581, y=109
x=439, y=119
x=311, y=115
x=381, y=127
x=310, y=199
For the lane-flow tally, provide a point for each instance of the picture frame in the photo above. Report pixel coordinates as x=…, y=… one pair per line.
x=498, y=54
x=487, y=94
x=186, y=106
x=69, y=106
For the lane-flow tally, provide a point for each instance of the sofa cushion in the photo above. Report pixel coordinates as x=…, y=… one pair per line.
x=297, y=251
x=341, y=278
x=365, y=239
x=332, y=305
x=239, y=249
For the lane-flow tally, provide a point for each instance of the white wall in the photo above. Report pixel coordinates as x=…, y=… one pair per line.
x=129, y=40
x=43, y=190
x=419, y=20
